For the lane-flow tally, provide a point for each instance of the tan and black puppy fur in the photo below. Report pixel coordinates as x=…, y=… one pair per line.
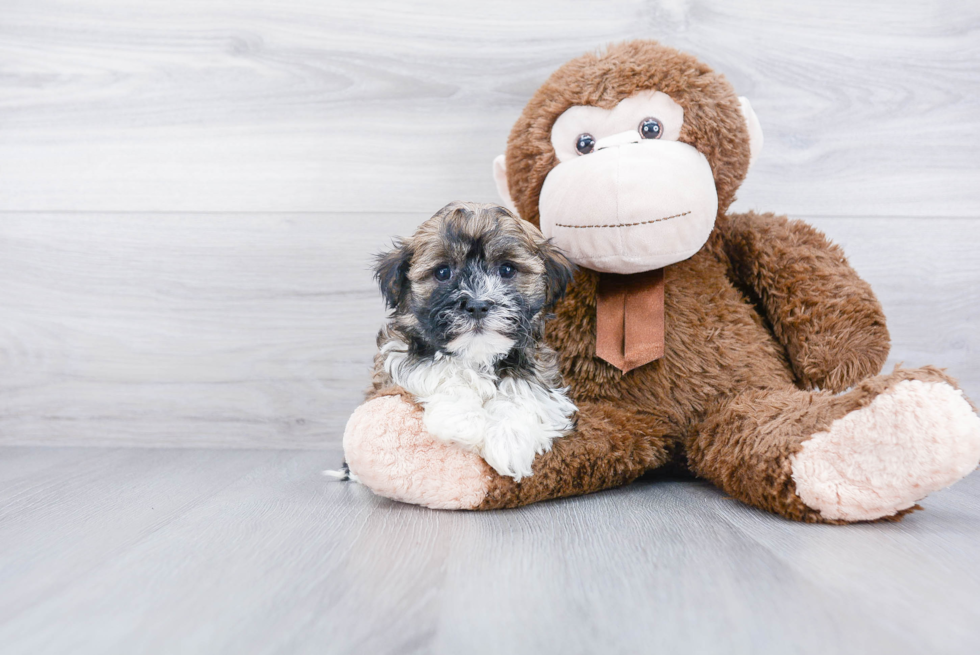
x=484, y=251
x=469, y=295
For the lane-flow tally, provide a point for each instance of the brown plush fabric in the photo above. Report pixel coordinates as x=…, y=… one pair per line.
x=767, y=312
x=785, y=266
x=611, y=446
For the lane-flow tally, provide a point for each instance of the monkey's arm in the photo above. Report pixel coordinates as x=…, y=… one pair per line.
x=609, y=447
x=826, y=317
x=388, y=449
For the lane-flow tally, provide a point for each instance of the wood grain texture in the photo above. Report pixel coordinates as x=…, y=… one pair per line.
x=198, y=551
x=869, y=108
x=258, y=330
x=247, y=329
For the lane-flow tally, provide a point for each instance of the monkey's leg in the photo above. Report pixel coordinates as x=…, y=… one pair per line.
x=870, y=453
x=389, y=451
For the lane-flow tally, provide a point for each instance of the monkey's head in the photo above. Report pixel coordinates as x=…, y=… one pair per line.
x=625, y=158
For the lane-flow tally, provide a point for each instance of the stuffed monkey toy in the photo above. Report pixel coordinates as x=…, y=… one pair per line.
x=742, y=347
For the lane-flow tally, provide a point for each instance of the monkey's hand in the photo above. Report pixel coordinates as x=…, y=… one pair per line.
x=826, y=317
x=388, y=450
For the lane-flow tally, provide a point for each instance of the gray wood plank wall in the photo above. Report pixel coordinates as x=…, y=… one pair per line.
x=190, y=191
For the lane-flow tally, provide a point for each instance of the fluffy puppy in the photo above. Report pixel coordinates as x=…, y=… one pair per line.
x=469, y=293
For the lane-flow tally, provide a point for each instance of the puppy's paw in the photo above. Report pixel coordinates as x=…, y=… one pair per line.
x=522, y=422
x=389, y=451
x=457, y=418
x=512, y=444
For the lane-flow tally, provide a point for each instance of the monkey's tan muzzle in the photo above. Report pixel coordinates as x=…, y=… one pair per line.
x=630, y=206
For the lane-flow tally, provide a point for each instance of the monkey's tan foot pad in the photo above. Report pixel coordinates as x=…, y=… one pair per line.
x=915, y=438
x=389, y=451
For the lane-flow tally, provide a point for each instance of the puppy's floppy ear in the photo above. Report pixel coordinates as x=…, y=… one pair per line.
x=559, y=271
x=391, y=272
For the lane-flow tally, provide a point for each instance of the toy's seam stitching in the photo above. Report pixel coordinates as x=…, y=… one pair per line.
x=656, y=220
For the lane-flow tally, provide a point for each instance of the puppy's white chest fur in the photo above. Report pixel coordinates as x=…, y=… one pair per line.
x=506, y=421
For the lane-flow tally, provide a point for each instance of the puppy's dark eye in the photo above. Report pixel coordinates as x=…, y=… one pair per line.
x=585, y=143
x=651, y=128
x=443, y=273
x=507, y=271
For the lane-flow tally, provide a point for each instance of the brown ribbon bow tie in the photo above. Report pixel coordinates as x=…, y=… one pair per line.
x=630, y=318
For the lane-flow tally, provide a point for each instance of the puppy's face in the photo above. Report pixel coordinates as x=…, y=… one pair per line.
x=472, y=280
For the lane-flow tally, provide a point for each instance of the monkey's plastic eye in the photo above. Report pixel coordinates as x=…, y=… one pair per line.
x=585, y=143
x=651, y=128
x=507, y=271
x=443, y=273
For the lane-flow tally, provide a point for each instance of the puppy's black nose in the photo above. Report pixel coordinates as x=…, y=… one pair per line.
x=476, y=308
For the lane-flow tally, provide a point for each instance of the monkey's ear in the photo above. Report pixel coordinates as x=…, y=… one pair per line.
x=755, y=129
x=391, y=272
x=500, y=177
x=558, y=270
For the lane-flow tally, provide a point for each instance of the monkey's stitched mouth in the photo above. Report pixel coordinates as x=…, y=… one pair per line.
x=656, y=220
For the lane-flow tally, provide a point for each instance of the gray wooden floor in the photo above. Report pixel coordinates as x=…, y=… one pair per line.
x=190, y=192
x=128, y=550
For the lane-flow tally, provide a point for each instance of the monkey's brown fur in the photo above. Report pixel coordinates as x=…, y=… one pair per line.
x=764, y=314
